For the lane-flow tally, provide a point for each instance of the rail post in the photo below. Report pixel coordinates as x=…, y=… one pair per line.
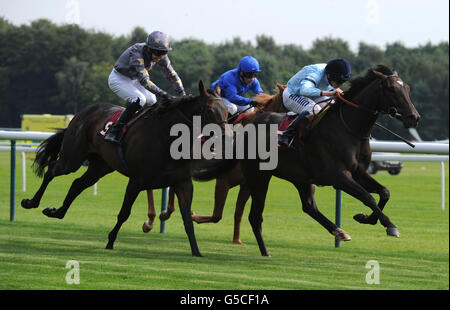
x=12, y=201
x=164, y=195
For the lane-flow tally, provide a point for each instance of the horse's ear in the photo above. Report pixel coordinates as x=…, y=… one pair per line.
x=280, y=87
x=217, y=89
x=379, y=74
x=201, y=88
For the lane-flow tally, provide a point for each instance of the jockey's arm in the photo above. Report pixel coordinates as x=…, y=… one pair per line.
x=171, y=75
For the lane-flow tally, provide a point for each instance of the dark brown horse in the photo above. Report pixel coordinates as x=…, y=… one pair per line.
x=231, y=178
x=146, y=156
x=336, y=153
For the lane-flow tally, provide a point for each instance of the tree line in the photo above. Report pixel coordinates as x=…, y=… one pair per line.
x=60, y=69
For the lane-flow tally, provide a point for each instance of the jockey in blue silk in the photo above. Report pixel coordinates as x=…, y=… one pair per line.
x=236, y=82
x=130, y=78
x=307, y=87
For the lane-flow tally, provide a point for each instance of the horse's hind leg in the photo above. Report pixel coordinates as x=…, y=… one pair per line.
x=55, y=169
x=372, y=186
x=151, y=213
x=165, y=215
x=97, y=169
x=130, y=196
x=309, y=206
x=220, y=196
x=243, y=196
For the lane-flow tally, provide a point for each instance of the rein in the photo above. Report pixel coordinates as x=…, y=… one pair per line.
x=338, y=95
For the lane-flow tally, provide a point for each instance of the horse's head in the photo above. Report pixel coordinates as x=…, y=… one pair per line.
x=395, y=99
x=272, y=103
x=212, y=107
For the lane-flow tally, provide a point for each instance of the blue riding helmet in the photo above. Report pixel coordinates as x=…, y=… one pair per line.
x=159, y=41
x=248, y=64
x=339, y=70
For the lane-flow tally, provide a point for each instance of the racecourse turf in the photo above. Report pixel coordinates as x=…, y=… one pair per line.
x=34, y=249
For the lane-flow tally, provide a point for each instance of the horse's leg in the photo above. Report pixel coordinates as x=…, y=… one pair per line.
x=351, y=187
x=258, y=186
x=151, y=213
x=309, y=206
x=243, y=196
x=165, y=215
x=96, y=170
x=372, y=186
x=55, y=169
x=130, y=196
x=220, y=196
x=184, y=192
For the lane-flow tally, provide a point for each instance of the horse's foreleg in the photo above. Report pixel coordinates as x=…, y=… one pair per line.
x=309, y=206
x=243, y=196
x=372, y=186
x=220, y=196
x=184, y=192
x=351, y=187
x=258, y=185
x=165, y=215
x=151, y=213
x=130, y=196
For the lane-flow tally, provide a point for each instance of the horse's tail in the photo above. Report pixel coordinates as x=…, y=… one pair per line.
x=48, y=152
x=212, y=169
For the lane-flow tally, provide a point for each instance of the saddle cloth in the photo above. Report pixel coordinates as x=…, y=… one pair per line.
x=109, y=122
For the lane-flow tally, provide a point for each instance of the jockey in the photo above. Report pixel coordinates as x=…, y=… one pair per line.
x=234, y=83
x=308, y=86
x=130, y=78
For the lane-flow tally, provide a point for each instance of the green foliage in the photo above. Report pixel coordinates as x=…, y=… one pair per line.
x=36, y=58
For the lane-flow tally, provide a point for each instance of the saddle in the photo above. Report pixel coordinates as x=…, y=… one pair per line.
x=313, y=118
x=115, y=116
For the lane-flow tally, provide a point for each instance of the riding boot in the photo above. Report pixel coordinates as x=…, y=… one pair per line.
x=115, y=134
x=287, y=137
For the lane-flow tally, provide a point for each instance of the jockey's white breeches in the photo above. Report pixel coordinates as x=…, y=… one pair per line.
x=234, y=108
x=301, y=104
x=130, y=89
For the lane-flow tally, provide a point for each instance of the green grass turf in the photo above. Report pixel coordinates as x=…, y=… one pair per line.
x=34, y=249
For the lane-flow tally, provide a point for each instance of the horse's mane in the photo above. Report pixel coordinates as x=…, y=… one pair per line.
x=167, y=105
x=359, y=83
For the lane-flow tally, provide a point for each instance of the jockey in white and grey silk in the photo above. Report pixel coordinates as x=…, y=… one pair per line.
x=308, y=86
x=130, y=78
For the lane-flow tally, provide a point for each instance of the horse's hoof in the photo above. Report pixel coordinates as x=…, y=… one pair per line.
x=27, y=204
x=364, y=219
x=393, y=232
x=237, y=241
x=146, y=227
x=52, y=212
x=341, y=235
x=109, y=247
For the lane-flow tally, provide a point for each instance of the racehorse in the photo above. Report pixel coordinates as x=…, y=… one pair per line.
x=336, y=153
x=144, y=156
x=231, y=178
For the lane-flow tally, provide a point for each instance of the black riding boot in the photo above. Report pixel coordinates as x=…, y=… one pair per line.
x=115, y=133
x=288, y=135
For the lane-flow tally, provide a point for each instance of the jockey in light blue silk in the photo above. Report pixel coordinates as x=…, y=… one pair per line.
x=307, y=87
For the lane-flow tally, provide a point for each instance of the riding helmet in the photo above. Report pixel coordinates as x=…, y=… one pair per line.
x=248, y=64
x=339, y=70
x=158, y=40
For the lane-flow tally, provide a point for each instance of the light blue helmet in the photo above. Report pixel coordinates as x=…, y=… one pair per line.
x=159, y=41
x=248, y=64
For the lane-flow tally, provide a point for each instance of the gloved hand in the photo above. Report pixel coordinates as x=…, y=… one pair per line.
x=164, y=96
x=254, y=103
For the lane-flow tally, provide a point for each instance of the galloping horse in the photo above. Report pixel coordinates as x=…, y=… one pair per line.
x=145, y=158
x=233, y=177
x=336, y=153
